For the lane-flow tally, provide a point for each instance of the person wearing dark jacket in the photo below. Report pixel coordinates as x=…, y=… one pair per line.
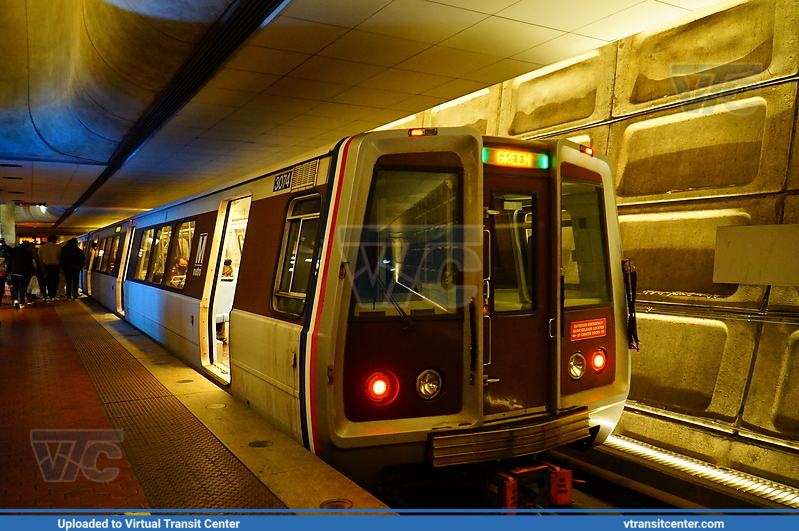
x=20, y=268
x=5, y=254
x=72, y=263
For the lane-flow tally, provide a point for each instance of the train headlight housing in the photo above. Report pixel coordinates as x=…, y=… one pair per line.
x=428, y=384
x=599, y=360
x=382, y=387
x=577, y=366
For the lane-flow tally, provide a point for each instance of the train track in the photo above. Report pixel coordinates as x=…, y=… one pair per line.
x=623, y=474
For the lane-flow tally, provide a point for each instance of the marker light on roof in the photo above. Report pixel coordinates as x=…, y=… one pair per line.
x=587, y=150
x=423, y=131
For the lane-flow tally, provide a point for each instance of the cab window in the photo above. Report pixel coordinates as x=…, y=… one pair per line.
x=584, y=250
x=411, y=248
x=300, y=236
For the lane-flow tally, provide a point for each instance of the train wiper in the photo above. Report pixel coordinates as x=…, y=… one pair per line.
x=405, y=317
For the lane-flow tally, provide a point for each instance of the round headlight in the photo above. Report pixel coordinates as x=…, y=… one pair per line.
x=428, y=384
x=576, y=366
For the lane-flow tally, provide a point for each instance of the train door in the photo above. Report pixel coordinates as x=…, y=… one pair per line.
x=90, y=263
x=228, y=262
x=123, y=266
x=517, y=349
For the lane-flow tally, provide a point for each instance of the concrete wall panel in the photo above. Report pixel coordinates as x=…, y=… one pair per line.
x=692, y=365
x=479, y=110
x=738, y=44
x=673, y=249
x=776, y=464
x=732, y=145
x=793, y=167
x=772, y=404
x=570, y=93
x=786, y=298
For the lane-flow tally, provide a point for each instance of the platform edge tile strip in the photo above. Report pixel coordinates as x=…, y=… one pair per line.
x=179, y=463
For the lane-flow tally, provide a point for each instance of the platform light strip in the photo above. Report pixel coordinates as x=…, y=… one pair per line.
x=748, y=483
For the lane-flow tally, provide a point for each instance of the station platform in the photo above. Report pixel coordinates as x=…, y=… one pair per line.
x=98, y=416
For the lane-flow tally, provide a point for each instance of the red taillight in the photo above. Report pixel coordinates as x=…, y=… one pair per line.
x=599, y=359
x=382, y=387
x=587, y=150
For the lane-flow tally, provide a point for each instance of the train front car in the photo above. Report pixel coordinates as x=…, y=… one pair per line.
x=469, y=306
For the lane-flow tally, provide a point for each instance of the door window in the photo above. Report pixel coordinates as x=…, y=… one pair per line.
x=513, y=248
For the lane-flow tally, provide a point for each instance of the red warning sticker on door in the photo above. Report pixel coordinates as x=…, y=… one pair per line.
x=588, y=329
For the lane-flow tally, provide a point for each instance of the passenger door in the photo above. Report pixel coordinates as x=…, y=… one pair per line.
x=226, y=279
x=517, y=349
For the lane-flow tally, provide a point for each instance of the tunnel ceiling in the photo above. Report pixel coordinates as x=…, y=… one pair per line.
x=111, y=107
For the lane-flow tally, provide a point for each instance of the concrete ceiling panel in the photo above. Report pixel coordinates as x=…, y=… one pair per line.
x=295, y=35
x=135, y=49
x=19, y=139
x=77, y=77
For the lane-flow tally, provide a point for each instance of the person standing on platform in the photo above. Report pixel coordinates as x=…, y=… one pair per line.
x=72, y=263
x=5, y=255
x=39, y=272
x=20, y=268
x=50, y=254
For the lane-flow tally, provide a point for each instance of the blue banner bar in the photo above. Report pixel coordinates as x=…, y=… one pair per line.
x=348, y=522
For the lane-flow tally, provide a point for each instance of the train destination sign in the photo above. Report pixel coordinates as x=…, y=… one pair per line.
x=514, y=158
x=588, y=329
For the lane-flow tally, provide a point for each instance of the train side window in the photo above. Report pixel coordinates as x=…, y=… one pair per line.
x=112, y=255
x=143, y=259
x=102, y=255
x=299, y=246
x=584, y=249
x=160, y=247
x=179, y=257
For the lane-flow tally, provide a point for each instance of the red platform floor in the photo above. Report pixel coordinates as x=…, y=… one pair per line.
x=47, y=388
x=167, y=437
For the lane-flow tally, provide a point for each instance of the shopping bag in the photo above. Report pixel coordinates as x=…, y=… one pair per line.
x=33, y=287
x=7, y=299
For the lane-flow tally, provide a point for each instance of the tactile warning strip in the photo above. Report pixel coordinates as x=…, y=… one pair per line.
x=179, y=463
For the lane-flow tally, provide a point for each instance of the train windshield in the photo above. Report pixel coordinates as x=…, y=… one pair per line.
x=584, y=250
x=411, y=246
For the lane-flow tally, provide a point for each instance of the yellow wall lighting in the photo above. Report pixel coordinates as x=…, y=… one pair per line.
x=515, y=159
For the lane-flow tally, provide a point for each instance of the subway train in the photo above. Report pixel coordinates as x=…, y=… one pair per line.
x=404, y=296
